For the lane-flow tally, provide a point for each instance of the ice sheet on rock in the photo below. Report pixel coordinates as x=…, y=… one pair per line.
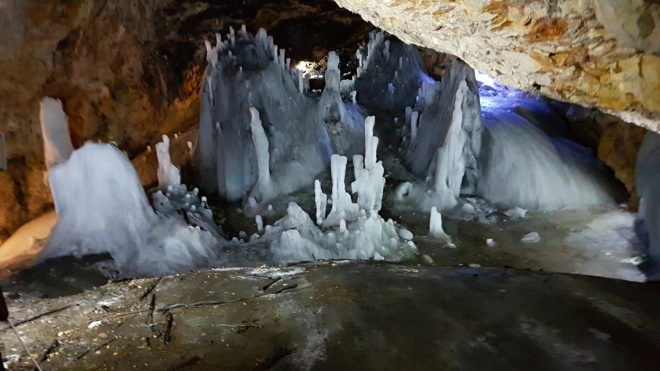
x=55, y=132
x=102, y=208
x=302, y=131
x=389, y=75
x=521, y=166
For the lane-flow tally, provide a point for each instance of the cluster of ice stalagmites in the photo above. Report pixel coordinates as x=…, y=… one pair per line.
x=356, y=231
x=248, y=79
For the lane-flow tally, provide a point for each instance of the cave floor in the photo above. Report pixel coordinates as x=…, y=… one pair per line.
x=358, y=316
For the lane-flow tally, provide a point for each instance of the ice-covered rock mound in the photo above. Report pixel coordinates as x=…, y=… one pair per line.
x=497, y=154
x=102, y=208
x=389, y=75
x=298, y=131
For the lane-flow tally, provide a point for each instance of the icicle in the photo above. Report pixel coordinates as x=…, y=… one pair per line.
x=260, y=223
x=354, y=96
x=386, y=49
x=435, y=224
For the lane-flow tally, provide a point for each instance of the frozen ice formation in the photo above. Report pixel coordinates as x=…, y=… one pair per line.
x=343, y=207
x=261, y=134
x=362, y=233
x=389, y=74
x=435, y=224
x=449, y=132
x=102, y=208
x=496, y=154
x=168, y=174
x=647, y=181
x=447, y=142
x=532, y=237
x=55, y=131
x=297, y=238
x=369, y=181
x=522, y=166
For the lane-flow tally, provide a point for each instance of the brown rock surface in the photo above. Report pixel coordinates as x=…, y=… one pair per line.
x=559, y=48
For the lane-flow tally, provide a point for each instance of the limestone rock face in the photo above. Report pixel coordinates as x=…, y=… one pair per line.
x=593, y=53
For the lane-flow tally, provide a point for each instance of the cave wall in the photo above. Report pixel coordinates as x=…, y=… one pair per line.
x=603, y=53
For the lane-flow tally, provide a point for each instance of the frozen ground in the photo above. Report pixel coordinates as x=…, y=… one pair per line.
x=350, y=316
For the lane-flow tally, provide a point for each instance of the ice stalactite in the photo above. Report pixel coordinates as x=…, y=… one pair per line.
x=389, y=74
x=446, y=142
x=55, y=131
x=301, y=131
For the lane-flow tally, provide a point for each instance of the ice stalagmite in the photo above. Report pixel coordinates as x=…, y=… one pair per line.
x=447, y=141
x=55, y=130
x=300, y=132
x=342, y=205
x=369, y=181
x=451, y=119
x=168, y=174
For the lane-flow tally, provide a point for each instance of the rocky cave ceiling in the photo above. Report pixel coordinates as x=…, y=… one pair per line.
x=602, y=53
